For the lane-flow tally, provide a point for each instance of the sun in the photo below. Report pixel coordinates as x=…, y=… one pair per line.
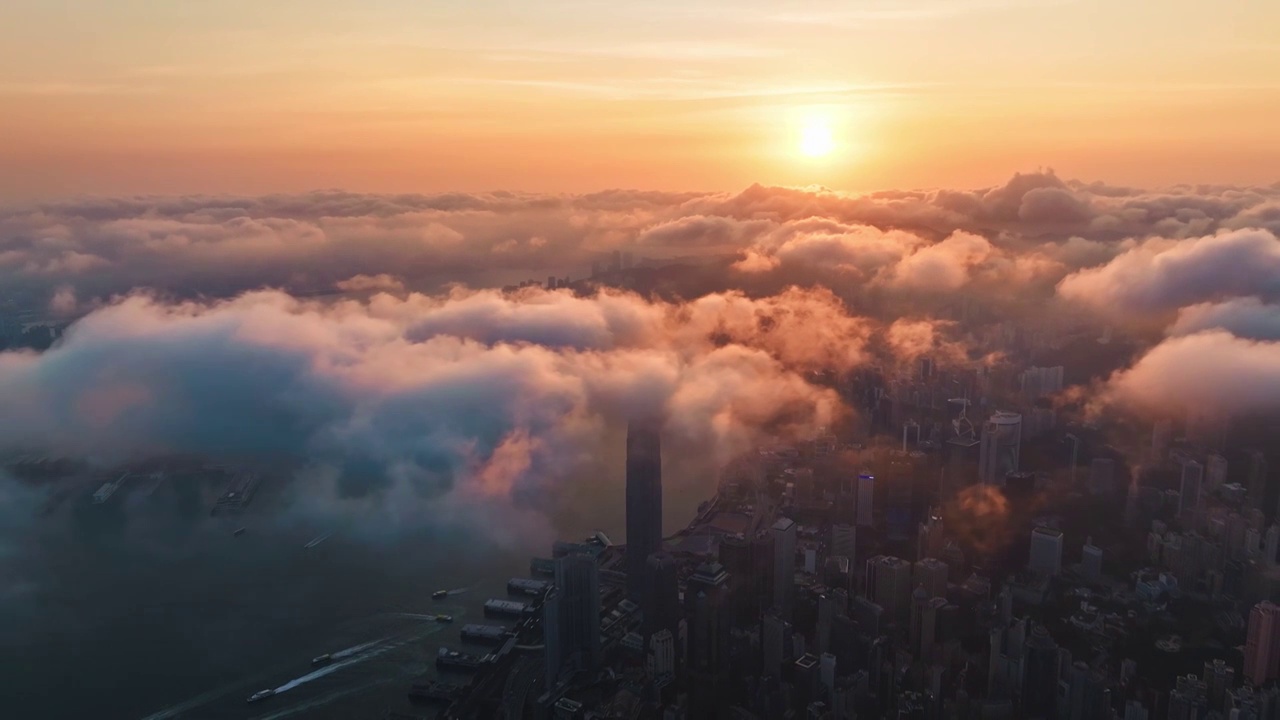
x=816, y=138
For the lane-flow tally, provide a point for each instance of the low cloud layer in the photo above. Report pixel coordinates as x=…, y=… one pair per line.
x=476, y=399
x=348, y=330
x=1036, y=228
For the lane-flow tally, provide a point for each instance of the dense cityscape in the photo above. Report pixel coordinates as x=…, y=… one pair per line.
x=675, y=360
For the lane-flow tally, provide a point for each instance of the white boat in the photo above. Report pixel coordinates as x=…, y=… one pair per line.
x=261, y=695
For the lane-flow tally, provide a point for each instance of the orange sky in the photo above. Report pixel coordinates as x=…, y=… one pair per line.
x=133, y=96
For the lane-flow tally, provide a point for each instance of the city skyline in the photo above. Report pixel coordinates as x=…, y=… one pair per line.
x=699, y=360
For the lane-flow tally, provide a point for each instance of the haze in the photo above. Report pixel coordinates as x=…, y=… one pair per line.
x=392, y=95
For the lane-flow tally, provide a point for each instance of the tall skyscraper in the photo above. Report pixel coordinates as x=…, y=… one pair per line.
x=888, y=584
x=707, y=611
x=1046, y=551
x=1257, y=478
x=931, y=574
x=661, y=604
x=571, y=618
x=1189, y=493
x=784, y=566
x=1040, y=673
x=844, y=541
x=662, y=654
x=644, y=501
x=1215, y=472
x=1001, y=446
x=1091, y=561
x=866, y=499
x=774, y=632
x=1101, y=476
x=1262, y=644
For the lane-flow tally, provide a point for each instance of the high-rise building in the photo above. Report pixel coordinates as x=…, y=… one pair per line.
x=1257, y=484
x=784, y=566
x=1215, y=472
x=644, y=501
x=888, y=584
x=1262, y=644
x=931, y=536
x=1039, y=382
x=827, y=672
x=1102, y=473
x=774, y=632
x=1271, y=545
x=707, y=612
x=662, y=654
x=931, y=574
x=571, y=618
x=661, y=603
x=1000, y=447
x=1091, y=561
x=866, y=499
x=1161, y=436
x=844, y=541
x=1040, y=674
x=1189, y=494
x=1046, y=551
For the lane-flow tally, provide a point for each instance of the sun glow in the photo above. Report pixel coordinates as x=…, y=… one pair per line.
x=816, y=138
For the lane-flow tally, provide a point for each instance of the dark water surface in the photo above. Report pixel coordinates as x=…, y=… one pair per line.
x=146, y=607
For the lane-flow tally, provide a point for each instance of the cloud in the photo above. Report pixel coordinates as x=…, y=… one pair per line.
x=219, y=246
x=1243, y=317
x=366, y=283
x=943, y=267
x=1212, y=372
x=1161, y=275
x=63, y=303
x=477, y=401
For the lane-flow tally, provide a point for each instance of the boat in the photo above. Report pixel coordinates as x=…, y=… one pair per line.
x=324, y=659
x=447, y=659
x=261, y=695
x=316, y=541
x=435, y=691
x=238, y=532
x=444, y=618
x=439, y=594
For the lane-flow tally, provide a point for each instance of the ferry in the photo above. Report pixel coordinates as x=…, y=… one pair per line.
x=434, y=692
x=324, y=659
x=439, y=594
x=261, y=695
x=447, y=659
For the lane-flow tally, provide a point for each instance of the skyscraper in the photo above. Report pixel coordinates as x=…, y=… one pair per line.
x=1262, y=644
x=661, y=604
x=571, y=618
x=888, y=584
x=644, y=500
x=1091, y=561
x=784, y=566
x=866, y=498
x=1189, y=493
x=707, y=611
x=1046, y=551
x=844, y=541
x=931, y=573
x=1257, y=478
x=1001, y=445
